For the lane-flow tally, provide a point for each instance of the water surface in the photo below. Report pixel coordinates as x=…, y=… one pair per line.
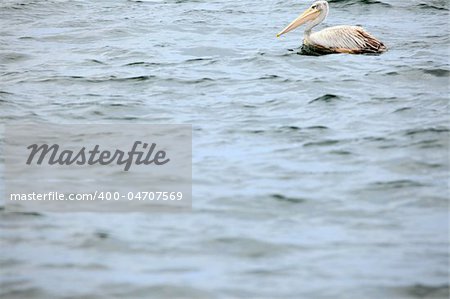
x=314, y=177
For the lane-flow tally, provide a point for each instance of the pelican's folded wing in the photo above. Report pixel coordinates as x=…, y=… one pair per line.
x=347, y=39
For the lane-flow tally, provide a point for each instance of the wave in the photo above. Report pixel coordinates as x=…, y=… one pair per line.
x=437, y=72
x=325, y=98
x=358, y=2
x=122, y=79
x=431, y=6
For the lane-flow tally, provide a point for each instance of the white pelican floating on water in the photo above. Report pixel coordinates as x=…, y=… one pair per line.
x=337, y=39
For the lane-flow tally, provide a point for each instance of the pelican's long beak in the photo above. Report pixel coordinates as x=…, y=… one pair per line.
x=308, y=15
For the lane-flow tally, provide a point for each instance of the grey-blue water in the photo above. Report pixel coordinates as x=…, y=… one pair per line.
x=313, y=177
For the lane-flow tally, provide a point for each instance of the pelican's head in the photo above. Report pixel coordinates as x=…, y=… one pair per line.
x=315, y=14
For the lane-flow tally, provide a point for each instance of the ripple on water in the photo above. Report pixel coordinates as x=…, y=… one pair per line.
x=288, y=199
x=325, y=98
x=360, y=2
x=437, y=72
x=436, y=5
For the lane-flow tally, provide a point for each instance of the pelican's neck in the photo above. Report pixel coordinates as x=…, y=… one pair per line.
x=323, y=15
x=308, y=30
x=310, y=26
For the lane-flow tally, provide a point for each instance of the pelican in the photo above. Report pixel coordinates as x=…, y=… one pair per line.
x=337, y=39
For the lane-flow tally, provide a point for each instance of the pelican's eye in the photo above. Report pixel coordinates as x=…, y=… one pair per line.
x=315, y=6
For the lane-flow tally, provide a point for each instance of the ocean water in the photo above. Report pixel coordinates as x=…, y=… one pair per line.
x=313, y=177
